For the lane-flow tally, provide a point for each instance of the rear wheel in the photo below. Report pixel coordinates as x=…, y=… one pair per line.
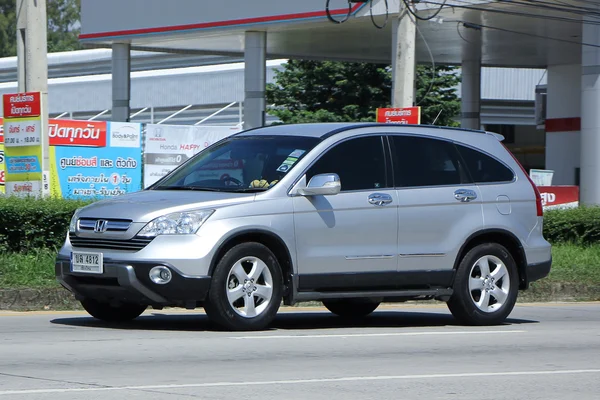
x=106, y=312
x=246, y=288
x=486, y=286
x=351, y=308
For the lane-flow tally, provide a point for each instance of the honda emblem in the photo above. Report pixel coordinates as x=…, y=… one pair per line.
x=101, y=226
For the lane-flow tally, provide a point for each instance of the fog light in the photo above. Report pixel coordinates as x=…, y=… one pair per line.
x=160, y=275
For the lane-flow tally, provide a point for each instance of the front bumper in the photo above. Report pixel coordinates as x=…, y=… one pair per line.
x=130, y=282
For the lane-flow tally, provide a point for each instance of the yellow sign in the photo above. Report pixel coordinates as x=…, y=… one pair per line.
x=23, y=156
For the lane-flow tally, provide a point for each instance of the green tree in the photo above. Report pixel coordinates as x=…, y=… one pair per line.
x=314, y=91
x=8, y=28
x=63, y=26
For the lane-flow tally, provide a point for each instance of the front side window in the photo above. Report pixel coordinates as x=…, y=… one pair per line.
x=423, y=161
x=359, y=162
x=240, y=164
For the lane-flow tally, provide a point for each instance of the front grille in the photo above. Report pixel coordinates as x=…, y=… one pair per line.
x=135, y=244
x=110, y=225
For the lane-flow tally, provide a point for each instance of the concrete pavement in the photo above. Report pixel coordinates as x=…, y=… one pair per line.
x=547, y=351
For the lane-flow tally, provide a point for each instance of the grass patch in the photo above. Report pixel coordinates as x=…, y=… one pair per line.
x=575, y=264
x=32, y=270
x=572, y=264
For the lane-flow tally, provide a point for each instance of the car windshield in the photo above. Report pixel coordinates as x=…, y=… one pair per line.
x=239, y=164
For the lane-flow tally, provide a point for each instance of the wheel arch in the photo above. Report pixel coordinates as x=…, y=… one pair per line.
x=269, y=239
x=504, y=238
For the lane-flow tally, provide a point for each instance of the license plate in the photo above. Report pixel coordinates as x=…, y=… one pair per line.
x=88, y=263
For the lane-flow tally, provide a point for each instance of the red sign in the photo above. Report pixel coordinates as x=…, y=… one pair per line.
x=20, y=105
x=559, y=196
x=64, y=132
x=407, y=115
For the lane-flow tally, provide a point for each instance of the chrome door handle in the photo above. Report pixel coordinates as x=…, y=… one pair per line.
x=380, y=199
x=465, y=195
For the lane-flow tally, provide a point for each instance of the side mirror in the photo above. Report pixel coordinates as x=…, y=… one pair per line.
x=322, y=185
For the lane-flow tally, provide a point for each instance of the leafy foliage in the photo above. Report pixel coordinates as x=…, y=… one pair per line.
x=8, y=28
x=29, y=223
x=579, y=226
x=315, y=91
x=63, y=26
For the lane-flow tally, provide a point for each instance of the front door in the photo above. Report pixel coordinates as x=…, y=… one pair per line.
x=349, y=240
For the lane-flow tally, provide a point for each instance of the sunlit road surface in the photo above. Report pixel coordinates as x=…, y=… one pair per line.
x=544, y=351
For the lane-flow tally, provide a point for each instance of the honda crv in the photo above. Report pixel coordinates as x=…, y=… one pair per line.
x=352, y=215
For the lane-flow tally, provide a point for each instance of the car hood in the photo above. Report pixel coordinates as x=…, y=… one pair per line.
x=146, y=205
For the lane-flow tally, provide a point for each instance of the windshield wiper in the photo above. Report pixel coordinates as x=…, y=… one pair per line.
x=193, y=188
x=248, y=190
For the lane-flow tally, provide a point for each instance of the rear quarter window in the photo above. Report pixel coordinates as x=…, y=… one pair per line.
x=484, y=168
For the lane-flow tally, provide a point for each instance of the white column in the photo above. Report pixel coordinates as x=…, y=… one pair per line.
x=255, y=79
x=590, y=114
x=471, y=78
x=121, y=81
x=403, y=59
x=32, y=67
x=563, y=112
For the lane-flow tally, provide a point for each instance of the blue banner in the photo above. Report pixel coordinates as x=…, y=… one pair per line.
x=99, y=172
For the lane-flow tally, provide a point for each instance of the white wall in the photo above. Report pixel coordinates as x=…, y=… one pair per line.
x=563, y=101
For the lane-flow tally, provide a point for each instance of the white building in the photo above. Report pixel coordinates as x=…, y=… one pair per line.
x=189, y=89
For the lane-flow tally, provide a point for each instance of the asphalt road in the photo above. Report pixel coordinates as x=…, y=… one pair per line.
x=549, y=351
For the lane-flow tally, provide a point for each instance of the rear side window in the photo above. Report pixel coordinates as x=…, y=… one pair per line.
x=423, y=161
x=483, y=168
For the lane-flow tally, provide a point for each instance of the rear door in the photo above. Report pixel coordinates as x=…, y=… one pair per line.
x=439, y=207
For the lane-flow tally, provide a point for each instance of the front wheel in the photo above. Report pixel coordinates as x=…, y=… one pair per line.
x=106, y=312
x=351, y=308
x=485, y=287
x=246, y=288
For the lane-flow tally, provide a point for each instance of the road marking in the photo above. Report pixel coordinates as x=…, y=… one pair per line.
x=303, y=381
x=358, y=335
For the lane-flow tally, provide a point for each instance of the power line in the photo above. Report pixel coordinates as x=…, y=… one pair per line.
x=531, y=34
x=387, y=15
x=330, y=16
x=432, y=65
x=428, y=18
x=515, y=13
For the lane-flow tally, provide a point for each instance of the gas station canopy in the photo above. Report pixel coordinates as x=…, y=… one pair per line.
x=513, y=33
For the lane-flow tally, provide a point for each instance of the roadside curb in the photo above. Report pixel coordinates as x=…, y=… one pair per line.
x=59, y=299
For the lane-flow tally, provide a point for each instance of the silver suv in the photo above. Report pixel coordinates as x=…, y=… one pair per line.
x=348, y=214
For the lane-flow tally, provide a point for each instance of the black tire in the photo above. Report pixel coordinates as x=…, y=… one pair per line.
x=463, y=303
x=217, y=305
x=105, y=312
x=351, y=308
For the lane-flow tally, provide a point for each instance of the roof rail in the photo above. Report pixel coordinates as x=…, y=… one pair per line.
x=379, y=124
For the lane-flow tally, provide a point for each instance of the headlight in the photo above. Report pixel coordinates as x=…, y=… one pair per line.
x=182, y=223
x=73, y=224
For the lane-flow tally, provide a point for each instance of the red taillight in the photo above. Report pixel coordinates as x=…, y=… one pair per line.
x=538, y=196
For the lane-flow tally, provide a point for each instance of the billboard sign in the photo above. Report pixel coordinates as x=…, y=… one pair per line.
x=86, y=164
x=22, y=143
x=406, y=115
x=167, y=146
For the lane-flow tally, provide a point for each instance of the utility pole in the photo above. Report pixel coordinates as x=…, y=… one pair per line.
x=32, y=66
x=403, y=58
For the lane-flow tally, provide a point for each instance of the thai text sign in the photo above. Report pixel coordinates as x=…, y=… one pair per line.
x=407, y=115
